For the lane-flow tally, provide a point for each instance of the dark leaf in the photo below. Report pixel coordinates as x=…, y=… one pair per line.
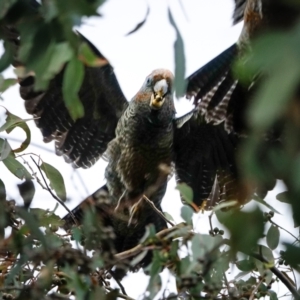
x=27, y=191
x=56, y=180
x=5, y=6
x=139, y=25
x=292, y=255
x=273, y=237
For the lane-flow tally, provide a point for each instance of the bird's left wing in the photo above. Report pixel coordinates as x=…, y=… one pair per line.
x=205, y=159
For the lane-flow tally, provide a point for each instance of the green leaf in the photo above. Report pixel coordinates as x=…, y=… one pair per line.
x=13, y=121
x=282, y=80
x=5, y=149
x=283, y=197
x=33, y=226
x=186, y=192
x=245, y=265
x=273, y=295
x=62, y=53
x=187, y=214
x=2, y=191
x=263, y=202
x=179, y=80
x=138, y=258
x=7, y=57
x=168, y=216
x=245, y=228
x=292, y=255
x=226, y=204
x=273, y=237
x=46, y=218
x=72, y=81
x=12, y=164
x=5, y=6
x=88, y=57
x=155, y=280
x=7, y=83
x=266, y=253
x=56, y=180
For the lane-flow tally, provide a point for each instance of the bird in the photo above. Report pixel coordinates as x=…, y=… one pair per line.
x=143, y=140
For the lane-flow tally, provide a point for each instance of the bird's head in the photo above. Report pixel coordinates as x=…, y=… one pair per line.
x=157, y=88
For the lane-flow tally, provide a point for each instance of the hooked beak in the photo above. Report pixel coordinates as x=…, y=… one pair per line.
x=158, y=96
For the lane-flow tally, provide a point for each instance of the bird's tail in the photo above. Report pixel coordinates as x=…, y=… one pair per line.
x=99, y=201
x=125, y=236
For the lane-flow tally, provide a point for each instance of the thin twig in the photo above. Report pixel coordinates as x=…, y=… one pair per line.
x=210, y=221
x=53, y=195
x=255, y=289
x=31, y=169
x=158, y=211
x=118, y=282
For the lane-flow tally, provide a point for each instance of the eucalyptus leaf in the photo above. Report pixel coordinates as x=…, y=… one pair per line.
x=179, y=80
x=56, y=180
x=73, y=77
x=13, y=121
x=273, y=237
x=186, y=192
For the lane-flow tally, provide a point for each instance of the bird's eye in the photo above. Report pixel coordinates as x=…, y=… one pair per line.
x=148, y=81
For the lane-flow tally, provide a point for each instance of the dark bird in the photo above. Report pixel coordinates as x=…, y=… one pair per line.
x=143, y=140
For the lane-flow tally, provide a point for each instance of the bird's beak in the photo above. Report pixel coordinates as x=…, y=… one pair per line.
x=158, y=95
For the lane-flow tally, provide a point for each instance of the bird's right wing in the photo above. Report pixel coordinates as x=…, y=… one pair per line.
x=83, y=141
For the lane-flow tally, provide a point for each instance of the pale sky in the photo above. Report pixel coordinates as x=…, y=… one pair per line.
x=207, y=30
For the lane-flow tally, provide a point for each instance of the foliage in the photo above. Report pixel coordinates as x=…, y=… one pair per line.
x=40, y=261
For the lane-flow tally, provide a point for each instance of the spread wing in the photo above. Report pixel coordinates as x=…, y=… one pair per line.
x=206, y=140
x=205, y=159
x=83, y=141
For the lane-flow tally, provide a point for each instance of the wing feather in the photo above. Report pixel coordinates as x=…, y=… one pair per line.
x=81, y=142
